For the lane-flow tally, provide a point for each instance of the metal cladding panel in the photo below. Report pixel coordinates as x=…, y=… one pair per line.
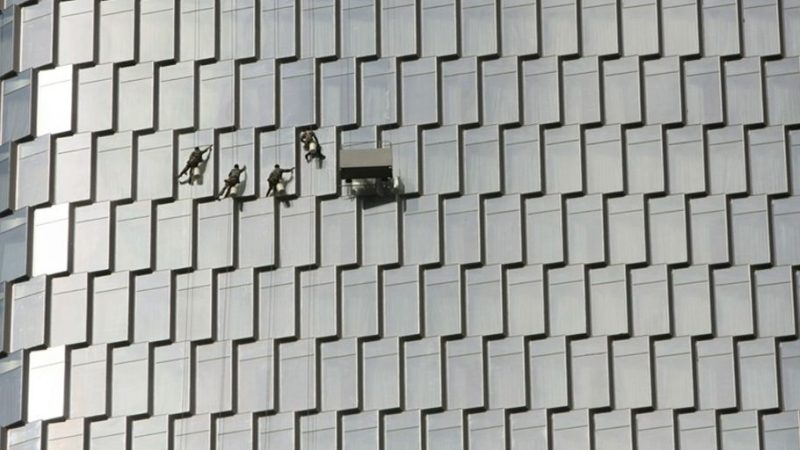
x=595, y=242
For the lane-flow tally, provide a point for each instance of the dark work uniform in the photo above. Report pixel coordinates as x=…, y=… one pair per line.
x=195, y=158
x=275, y=177
x=306, y=138
x=231, y=181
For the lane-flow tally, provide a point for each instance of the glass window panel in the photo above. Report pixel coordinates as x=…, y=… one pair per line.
x=68, y=310
x=198, y=28
x=340, y=386
x=46, y=384
x=135, y=97
x=438, y=27
x=521, y=160
x=502, y=232
x=172, y=370
x=543, y=228
x=213, y=377
x=604, y=160
x=110, y=308
x=421, y=230
x=760, y=28
x=238, y=148
x=465, y=375
x=202, y=181
x=567, y=314
x=478, y=27
x=401, y=302
x=156, y=30
x=599, y=27
x=93, y=232
x=318, y=19
x=237, y=29
x=783, y=91
x=152, y=303
x=338, y=231
x=217, y=95
x=680, y=27
x=743, y=86
x=14, y=245
x=257, y=94
x=358, y=28
x=174, y=235
x=33, y=172
x=36, y=35
x=215, y=232
x=459, y=91
x=621, y=91
x=51, y=239
x=156, y=169
x=73, y=168
x=541, y=86
x=277, y=147
x=563, y=161
x=462, y=229
x=703, y=86
x=28, y=314
x=256, y=376
x=663, y=90
x=484, y=301
x=581, y=79
x=398, y=27
x=133, y=230
x=644, y=159
x=500, y=91
x=117, y=25
x=639, y=27
x=192, y=432
x=277, y=28
x=520, y=27
x=17, y=107
x=235, y=305
x=559, y=31
x=405, y=156
x=441, y=160
x=339, y=92
x=297, y=93
x=298, y=372
x=379, y=91
x=113, y=167
x=176, y=96
x=420, y=93
x=95, y=98
x=379, y=233
x=720, y=27
x=9, y=22
x=130, y=380
x=76, y=32
x=481, y=160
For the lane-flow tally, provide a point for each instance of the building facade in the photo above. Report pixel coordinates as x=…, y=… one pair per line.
x=596, y=247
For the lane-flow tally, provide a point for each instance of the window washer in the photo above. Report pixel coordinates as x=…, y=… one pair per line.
x=276, y=177
x=311, y=146
x=195, y=158
x=231, y=182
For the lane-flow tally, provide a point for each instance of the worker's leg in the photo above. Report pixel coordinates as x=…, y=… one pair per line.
x=185, y=169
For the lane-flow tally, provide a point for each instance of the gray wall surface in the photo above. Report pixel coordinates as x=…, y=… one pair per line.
x=598, y=246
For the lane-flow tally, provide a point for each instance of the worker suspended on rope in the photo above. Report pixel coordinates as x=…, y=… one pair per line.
x=231, y=182
x=193, y=163
x=311, y=146
x=275, y=180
